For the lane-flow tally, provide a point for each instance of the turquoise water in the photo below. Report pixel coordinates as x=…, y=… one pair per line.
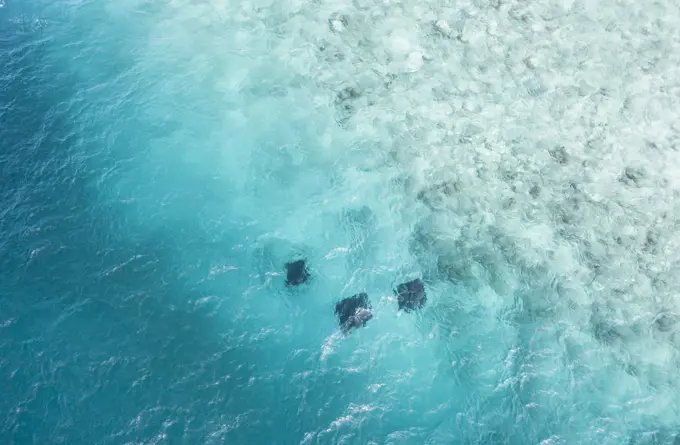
x=160, y=162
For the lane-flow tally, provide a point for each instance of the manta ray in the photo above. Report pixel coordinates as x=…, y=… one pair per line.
x=353, y=312
x=296, y=273
x=411, y=295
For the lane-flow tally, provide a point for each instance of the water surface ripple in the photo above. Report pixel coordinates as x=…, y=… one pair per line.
x=160, y=162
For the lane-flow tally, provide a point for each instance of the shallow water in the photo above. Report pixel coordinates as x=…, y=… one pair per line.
x=160, y=162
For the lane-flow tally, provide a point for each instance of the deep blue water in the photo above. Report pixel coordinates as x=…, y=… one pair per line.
x=161, y=161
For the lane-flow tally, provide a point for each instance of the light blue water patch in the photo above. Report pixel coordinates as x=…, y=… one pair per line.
x=162, y=162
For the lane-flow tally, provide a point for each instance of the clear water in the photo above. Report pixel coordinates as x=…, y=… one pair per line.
x=161, y=161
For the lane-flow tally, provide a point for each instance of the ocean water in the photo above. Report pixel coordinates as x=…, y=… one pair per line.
x=160, y=162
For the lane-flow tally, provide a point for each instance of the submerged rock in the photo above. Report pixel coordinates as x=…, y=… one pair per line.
x=632, y=176
x=345, y=103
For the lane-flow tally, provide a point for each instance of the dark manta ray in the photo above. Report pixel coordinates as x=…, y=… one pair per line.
x=296, y=273
x=353, y=312
x=411, y=295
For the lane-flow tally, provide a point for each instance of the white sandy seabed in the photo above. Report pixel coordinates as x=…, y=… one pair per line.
x=535, y=149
